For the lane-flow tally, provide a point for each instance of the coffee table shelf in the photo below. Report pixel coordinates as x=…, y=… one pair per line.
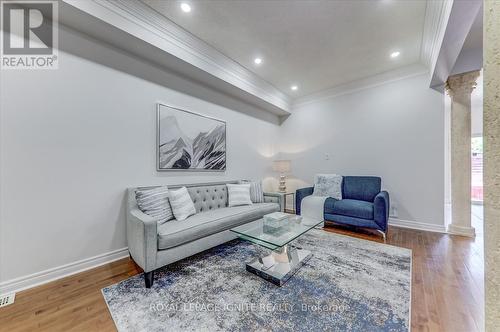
x=284, y=259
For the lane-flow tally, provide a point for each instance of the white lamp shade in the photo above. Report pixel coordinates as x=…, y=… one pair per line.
x=282, y=166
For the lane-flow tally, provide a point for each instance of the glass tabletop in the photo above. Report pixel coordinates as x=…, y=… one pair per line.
x=269, y=236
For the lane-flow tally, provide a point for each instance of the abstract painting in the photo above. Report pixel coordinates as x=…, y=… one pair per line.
x=189, y=141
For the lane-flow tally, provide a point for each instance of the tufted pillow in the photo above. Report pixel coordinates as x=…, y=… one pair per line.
x=182, y=204
x=154, y=202
x=256, y=192
x=239, y=194
x=328, y=185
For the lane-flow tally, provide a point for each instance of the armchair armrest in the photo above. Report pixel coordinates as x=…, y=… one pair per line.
x=274, y=198
x=381, y=206
x=299, y=195
x=142, y=238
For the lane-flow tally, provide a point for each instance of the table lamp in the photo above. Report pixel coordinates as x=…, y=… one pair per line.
x=282, y=167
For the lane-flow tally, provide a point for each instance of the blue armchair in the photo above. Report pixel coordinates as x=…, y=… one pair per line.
x=363, y=204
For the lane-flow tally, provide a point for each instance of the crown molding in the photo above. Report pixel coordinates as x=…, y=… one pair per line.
x=361, y=84
x=436, y=18
x=144, y=23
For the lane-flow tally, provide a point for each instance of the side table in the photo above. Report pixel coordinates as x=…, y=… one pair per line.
x=283, y=200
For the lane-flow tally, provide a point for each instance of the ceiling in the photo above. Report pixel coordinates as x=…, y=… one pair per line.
x=312, y=44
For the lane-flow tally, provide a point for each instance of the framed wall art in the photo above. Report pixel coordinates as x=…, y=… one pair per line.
x=189, y=141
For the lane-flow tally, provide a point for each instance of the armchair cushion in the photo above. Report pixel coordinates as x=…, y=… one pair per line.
x=346, y=220
x=363, y=188
x=351, y=208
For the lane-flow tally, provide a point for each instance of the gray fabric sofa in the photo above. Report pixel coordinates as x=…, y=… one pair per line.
x=152, y=246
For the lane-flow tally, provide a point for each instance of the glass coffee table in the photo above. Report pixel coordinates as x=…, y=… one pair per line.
x=284, y=259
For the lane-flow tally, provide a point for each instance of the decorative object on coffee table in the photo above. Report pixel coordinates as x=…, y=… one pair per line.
x=189, y=141
x=288, y=258
x=282, y=167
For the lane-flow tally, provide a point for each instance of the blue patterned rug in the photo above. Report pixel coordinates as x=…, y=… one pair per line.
x=348, y=285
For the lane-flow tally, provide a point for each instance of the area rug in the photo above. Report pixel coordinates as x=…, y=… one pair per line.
x=348, y=285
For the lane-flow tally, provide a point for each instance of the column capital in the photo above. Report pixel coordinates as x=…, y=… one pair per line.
x=461, y=86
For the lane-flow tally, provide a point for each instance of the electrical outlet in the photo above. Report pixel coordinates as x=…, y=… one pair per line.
x=7, y=299
x=327, y=156
x=394, y=211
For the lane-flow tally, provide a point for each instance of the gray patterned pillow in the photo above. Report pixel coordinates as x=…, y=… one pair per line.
x=328, y=185
x=154, y=202
x=256, y=192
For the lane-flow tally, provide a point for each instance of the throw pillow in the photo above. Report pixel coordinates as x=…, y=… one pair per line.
x=182, y=204
x=154, y=202
x=239, y=194
x=256, y=192
x=328, y=185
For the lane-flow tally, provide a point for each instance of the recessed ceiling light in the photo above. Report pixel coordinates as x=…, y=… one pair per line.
x=257, y=61
x=186, y=8
x=294, y=88
x=395, y=54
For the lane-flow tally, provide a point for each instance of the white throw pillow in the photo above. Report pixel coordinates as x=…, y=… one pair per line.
x=181, y=203
x=328, y=185
x=239, y=194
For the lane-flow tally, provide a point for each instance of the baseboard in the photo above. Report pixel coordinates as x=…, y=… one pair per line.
x=417, y=225
x=462, y=231
x=39, y=278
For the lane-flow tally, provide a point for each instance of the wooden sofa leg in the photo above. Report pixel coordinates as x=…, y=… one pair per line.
x=149, y=278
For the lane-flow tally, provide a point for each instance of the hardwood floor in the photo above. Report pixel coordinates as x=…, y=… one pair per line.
x=447, y=288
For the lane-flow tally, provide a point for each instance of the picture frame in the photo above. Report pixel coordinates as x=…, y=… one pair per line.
x=189, y=141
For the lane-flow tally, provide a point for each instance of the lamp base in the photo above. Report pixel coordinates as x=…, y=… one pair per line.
x=282, y=187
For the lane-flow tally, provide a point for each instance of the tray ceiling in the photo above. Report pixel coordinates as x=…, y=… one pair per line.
x=315, y=45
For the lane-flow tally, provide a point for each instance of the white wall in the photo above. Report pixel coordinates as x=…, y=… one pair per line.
x=394, y=130
x=73, y=139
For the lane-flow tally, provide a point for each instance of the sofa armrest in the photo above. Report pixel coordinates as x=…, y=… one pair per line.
x=142, y=238
x=299, y=195
x=381, y=206
x=274, y=198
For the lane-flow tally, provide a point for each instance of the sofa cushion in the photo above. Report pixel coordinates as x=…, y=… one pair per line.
x=175, y=233
x=208, y=197
x=363, y=188
x=351, y=208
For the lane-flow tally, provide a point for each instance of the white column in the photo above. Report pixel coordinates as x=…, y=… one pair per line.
x=491, y=137
x=459, y=88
